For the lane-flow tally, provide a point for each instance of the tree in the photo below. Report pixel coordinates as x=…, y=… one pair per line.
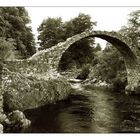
x=14, y=24
x=110, y=64
x=80, y=52
x=77, y=55
x=78, y=24
x=6, y=48
x=51, y=32
x=97, y=48
x=132, y=29
x=110, y=67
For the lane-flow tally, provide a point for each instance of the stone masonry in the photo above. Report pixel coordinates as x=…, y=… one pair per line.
x=46, y=62
x=124, y=45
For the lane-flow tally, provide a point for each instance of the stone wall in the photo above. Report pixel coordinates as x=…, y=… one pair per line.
x=27, y=67
x=29, y=84
x=133, y=77
x=21, y=92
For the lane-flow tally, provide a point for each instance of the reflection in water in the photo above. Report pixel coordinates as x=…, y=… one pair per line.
x=95, y=110
x=104, y=113
x=76, y=118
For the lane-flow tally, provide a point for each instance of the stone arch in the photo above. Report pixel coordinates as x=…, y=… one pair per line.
x=122, y=47
x=117, y=40
x=54, y=54
x=123, y=44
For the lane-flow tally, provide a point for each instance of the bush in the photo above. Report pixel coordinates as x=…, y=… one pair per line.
x=85, y=72
x=119, y=82
x=21, y=93
x=6, y=48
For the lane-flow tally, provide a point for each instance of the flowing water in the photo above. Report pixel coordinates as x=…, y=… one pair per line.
x=89, y=111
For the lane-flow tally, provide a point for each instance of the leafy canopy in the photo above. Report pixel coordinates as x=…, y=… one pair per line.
x=53, y=30
x=14, y=24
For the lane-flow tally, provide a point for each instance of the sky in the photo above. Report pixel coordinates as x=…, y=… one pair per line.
x=108, y=18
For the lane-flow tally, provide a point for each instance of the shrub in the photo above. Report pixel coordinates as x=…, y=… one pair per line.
x=21, y=93
x=84, y=72
x=6, y=48
x=120, y=81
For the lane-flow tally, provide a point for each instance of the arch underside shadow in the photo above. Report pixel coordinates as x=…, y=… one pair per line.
x=129, y=57
x=122, y=47
x=123, y=44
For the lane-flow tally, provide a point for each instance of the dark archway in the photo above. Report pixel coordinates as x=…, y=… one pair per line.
x=122, y=47
x=76, y=56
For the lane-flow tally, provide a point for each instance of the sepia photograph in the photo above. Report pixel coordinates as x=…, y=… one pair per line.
x=67, y=69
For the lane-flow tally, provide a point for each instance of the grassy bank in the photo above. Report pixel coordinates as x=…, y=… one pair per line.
x=20, y=92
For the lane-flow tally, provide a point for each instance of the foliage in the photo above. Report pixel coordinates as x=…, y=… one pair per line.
x=81, y=52
x=78, y=24
x=84, y=72
x=14, y=24
x=50, y=32
x=6, y=48
x=109, y=64
x=132, y=29
x=21, y=92
x=110, y=67
x=114, y=60
x=120, y=81
x=53, y=31
x=77, y=55
x=97, y=47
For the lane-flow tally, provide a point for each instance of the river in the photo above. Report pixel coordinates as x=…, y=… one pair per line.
x=89, y=111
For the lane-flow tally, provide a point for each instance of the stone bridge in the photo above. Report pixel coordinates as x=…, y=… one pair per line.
x=131, y=54
x=25, y=93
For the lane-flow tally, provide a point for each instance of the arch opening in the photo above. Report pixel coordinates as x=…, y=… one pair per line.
x=76, y=55
x=120, y=45
x=124, y=45
x=129, y=57
x=123, y=48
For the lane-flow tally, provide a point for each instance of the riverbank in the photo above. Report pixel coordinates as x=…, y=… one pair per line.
x=93, y=83
x=21, y=93
x=87, y=111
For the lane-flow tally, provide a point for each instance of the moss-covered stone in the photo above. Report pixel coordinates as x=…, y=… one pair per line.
x=20, y=92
